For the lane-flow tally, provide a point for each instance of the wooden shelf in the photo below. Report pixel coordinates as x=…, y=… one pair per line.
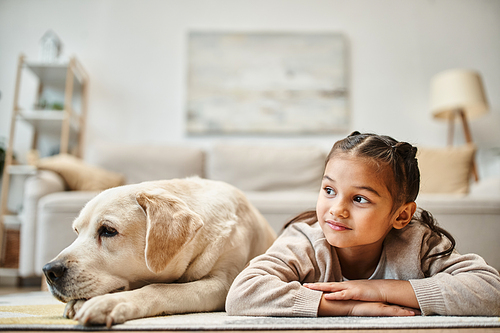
x=48, y=121
x=54, y=73
x=11, y=222
x=9, y=272
x=22, y=169
x=67, y=79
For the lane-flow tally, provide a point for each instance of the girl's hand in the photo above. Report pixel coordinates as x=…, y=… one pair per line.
x=360, y=290
x=383, y=291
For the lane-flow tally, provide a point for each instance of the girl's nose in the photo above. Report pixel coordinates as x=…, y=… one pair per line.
x=339, y=210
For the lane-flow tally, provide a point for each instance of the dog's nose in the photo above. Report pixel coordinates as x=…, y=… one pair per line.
x=54, y=271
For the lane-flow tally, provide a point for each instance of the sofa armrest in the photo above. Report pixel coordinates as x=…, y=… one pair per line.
x=43, y=183
x=35, y=187
x=54, y=232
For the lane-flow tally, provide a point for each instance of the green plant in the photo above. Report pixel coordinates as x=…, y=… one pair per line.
x=2, y=158
x=57, y=106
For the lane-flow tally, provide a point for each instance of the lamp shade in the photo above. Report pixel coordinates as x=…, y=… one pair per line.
x=458, y=89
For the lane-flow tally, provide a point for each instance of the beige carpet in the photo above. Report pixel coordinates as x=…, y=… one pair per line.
x=40, y=311
x=35, y=308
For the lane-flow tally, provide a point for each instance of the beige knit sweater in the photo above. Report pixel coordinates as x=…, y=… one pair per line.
x=453, y=285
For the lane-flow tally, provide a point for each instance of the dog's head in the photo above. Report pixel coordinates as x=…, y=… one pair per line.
x=127, y=236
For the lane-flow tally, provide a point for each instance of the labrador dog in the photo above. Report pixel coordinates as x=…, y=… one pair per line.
x=159, y=247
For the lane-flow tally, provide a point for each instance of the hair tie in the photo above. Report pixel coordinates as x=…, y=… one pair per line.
x=354, y=133
x=404, y=149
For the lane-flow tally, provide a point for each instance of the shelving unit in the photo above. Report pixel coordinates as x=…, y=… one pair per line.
x=64, y=120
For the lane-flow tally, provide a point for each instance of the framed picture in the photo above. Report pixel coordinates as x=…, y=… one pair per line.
x=267, y=83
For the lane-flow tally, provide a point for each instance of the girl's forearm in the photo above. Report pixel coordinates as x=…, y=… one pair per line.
x=398, y=292
x=328, y=308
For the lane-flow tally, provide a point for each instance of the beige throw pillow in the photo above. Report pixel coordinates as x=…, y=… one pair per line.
x=80, y=176
x=445, y=170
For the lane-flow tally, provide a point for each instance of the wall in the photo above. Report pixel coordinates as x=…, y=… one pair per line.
x=135, y=51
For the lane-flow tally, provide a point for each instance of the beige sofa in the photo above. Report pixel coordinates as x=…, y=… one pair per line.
x=279, y=181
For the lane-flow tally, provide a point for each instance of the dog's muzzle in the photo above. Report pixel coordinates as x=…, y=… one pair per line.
x=54, y=272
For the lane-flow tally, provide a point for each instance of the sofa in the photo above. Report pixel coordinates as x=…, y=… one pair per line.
x=281, y=181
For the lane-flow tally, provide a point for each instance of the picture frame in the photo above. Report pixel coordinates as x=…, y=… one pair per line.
x=267, y=83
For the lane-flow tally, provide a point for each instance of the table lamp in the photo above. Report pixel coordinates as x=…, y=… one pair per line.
x=458, y=93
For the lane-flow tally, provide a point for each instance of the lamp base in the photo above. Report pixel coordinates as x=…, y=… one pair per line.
x=468, y=136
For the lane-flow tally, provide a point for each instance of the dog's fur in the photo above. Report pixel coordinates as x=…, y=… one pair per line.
x=159, y=247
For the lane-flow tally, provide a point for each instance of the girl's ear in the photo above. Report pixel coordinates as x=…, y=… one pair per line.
x=404, y=215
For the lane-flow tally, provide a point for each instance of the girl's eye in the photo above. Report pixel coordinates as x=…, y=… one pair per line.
x=106, y=231
x=329, y=191
x=360, y=199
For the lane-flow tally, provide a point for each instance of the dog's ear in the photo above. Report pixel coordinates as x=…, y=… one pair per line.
x=170, y=225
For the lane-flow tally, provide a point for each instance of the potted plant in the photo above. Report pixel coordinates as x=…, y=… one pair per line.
x=2, y=157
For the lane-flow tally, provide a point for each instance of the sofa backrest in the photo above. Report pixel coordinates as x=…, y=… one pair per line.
x=149, y=162
x=264, y=168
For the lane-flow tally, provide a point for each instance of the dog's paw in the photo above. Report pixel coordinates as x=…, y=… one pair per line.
x=72, y=308
x=107, y=310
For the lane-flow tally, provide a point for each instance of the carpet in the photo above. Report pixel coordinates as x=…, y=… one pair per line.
x=40, y=311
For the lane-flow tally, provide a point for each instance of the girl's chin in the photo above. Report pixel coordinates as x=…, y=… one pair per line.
x=337, y=239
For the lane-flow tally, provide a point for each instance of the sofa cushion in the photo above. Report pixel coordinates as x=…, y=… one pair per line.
x=264, y=168
x=149, y=162
x=486, y=187
x=281, y=206
x=80, y=176
x=65, y=202
x=445, y=170
x=459, y=205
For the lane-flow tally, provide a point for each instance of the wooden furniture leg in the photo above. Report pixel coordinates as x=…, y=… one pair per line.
x=468, y=139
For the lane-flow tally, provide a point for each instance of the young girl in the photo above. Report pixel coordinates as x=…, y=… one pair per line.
x=363, y=252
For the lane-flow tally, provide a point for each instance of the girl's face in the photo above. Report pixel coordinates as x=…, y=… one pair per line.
x=354, y=206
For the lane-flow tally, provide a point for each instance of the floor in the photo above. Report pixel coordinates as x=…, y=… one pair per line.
x=5, y=290
x=10, y=282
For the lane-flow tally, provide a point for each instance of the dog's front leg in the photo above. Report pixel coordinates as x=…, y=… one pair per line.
x=207, y=294
x=72, y=308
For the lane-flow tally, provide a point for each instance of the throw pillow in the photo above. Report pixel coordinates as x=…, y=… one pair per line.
x=80, y=176
x=445, y=170
x=141, y=163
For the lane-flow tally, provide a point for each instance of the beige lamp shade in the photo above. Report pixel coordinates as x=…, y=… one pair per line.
x=458, y=89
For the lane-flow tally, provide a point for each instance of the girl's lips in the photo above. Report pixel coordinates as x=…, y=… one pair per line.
x=337, y=226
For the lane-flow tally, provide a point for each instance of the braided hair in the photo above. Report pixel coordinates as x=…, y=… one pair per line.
x=400, y=157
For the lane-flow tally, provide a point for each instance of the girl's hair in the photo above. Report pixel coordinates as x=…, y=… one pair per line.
x=389, y=154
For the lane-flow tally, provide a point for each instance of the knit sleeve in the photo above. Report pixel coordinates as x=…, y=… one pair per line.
x=460, y=285
x=272, y=283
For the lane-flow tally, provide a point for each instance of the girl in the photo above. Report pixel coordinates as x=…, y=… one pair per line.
x=363, y=252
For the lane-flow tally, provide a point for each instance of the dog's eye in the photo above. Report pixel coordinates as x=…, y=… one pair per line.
x=105, y=231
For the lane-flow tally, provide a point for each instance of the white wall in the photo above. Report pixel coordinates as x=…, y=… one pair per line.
x=135, y=54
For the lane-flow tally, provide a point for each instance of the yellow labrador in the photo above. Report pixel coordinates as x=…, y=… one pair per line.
x=158, y=247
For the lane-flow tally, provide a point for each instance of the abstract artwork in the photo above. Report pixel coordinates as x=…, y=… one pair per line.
x=267, y=83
